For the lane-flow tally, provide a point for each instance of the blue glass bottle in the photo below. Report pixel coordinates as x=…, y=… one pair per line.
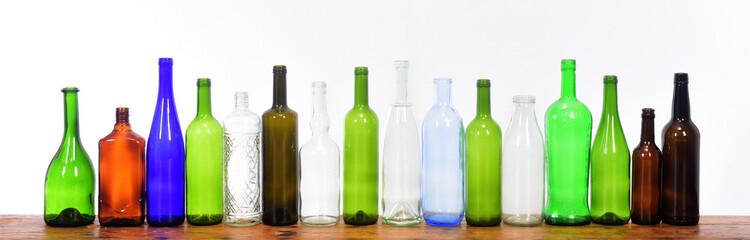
x=443, y=144
x=165, y=157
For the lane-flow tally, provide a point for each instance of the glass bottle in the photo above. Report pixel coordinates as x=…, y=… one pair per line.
x=568, y=130
x=610, y=164
x=360, y=157
x=68, y=195
x=483, y=164
x=319, y=159
x=280, y=157
x=165, y=158
x=241, y=165
x=204, y=140
x=646, y=159
x=523, y=166
x=681, y=161
x=443, y=145
x=401, y=186
x=122, y=159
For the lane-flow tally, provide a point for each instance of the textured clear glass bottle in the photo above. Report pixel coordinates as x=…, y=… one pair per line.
x=610, y=164
x=241, y=164
x=443, y=145
x=401, y=187
x=483, y=164
x=523, y=166
x=319, y=168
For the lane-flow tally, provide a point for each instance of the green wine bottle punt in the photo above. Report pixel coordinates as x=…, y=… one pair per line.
x=360, y=157
x=610, y=164
x=568, y=130
x=483, y=166
x=69, y=185
x=204, y=162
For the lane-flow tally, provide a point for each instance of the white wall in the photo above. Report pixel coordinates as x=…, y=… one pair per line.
x=109, y=49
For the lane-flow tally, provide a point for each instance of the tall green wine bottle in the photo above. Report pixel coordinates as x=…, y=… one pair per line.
x=568, y=130
x=69, y=195
x=360, y=157
x=483, y=166
x=204, y=162
x=610, y=164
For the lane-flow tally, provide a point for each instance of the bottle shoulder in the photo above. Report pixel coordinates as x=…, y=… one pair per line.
x=283, y=111
x=361, y=113
x=480, y=124
x=564, y=109
x=321, y=143
x=680, y=129
x=119, y=135
x=203, y=123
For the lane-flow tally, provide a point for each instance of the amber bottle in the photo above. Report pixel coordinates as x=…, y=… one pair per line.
x=681, y=161
x=121, y=173
x=646, y=159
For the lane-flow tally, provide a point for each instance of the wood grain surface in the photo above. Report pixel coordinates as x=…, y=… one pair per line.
x=710, y=227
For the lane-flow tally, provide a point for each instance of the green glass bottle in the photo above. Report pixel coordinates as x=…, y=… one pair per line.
x=204, y=142
x=483, y=164
x=360, y=157
x=610, y=164
x=69, y=195
x=568, y=130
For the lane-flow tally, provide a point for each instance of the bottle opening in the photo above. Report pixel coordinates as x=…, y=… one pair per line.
x=483, y=83
x=319, y=87
x=443, y=81
x=70, y=89
x=279, y=69
x=648, y=113
x=400, y=64
x=361, y=71
x=524, y=99
x=568, y=64
x=165, y=62
x=610, y=79
x=680, y=77
x=204, y=82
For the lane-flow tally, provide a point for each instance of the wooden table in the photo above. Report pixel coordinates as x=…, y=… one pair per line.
x=711, y=227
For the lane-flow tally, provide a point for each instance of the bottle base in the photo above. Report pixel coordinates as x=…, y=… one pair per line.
x=279, y=217
x=165, y=221
x=610, y=218
x=120, y=222
x=69, y=217
x=523, y=220
x=241, y=220
x=443, y=220
x=483, y=222
x=360, y=218
x=568, y=221
x=645, y=220
x=681, y=220
x=319, y=220
x=204, y=219
x=402, y=221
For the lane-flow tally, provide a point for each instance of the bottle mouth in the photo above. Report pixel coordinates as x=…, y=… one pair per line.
x=610, y=79
x=361, y=71
x=680, y=77
x=70, y=89
x=648, y=113
x=483, y=83
x=443, y=81
x=568, y=64
x=204, y=82
x=524, y=99
x=319, y=87
x=279, y=69
x=165, y=62
x=400, y=64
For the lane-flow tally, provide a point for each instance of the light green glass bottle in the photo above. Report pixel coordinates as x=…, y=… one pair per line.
x=69, y=195
x=360, y=157
x=568, y=130
x=204, y=160
x=610, y=164
x=483, y=164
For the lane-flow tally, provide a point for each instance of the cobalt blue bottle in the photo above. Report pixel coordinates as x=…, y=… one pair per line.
x=443, y=156
x=165, y=157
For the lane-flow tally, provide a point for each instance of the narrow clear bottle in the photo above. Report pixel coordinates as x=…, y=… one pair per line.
x=401, y=164
x=523, y=166
x=319, y=167
x=241, y=164
x=443, y=158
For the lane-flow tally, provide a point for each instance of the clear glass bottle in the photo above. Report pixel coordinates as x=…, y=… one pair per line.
x=523, y=166
x=443, y=158
x=319, y=162
x=241, y=164
x=401, y=187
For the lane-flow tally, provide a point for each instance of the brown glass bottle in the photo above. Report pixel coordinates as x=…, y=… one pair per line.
x=121, y=172
x=280, y=158
x=646, y=158
x=681, y=161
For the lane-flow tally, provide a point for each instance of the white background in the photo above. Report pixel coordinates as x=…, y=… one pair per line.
x=109, y=49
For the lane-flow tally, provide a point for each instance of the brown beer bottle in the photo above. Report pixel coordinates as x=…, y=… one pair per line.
x=646, y=159
x=681, y=160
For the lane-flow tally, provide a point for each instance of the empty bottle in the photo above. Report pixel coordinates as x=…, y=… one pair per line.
x=204, y=162
x=360, y=157
x=646, y=160
x=483, y=164
x=165, y=158
x=523, y=166
x=681, y=161
x=241, y=165
x=280, y=158
x=568, y=131
x=610, y=164
x=443, y=145
x=319, y=162
x=401, y=187
x=69, y=195
x=122, y=159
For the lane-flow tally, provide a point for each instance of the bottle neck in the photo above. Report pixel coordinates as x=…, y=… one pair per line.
x=647, y=130
x=610, y=100
x=123, y=119
x=165, y=81
x=71, y=115
x=523, y=113
x=443, y=94
x=681, y=102
x=483, y=102
x=401, y=85
x=241, y=101
x=319, y=122
x=279, y=89
x=568, y=83
x=360, y=91
x=204, y=101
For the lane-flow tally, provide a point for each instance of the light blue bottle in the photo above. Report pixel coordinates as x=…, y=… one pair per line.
x=443, y=144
